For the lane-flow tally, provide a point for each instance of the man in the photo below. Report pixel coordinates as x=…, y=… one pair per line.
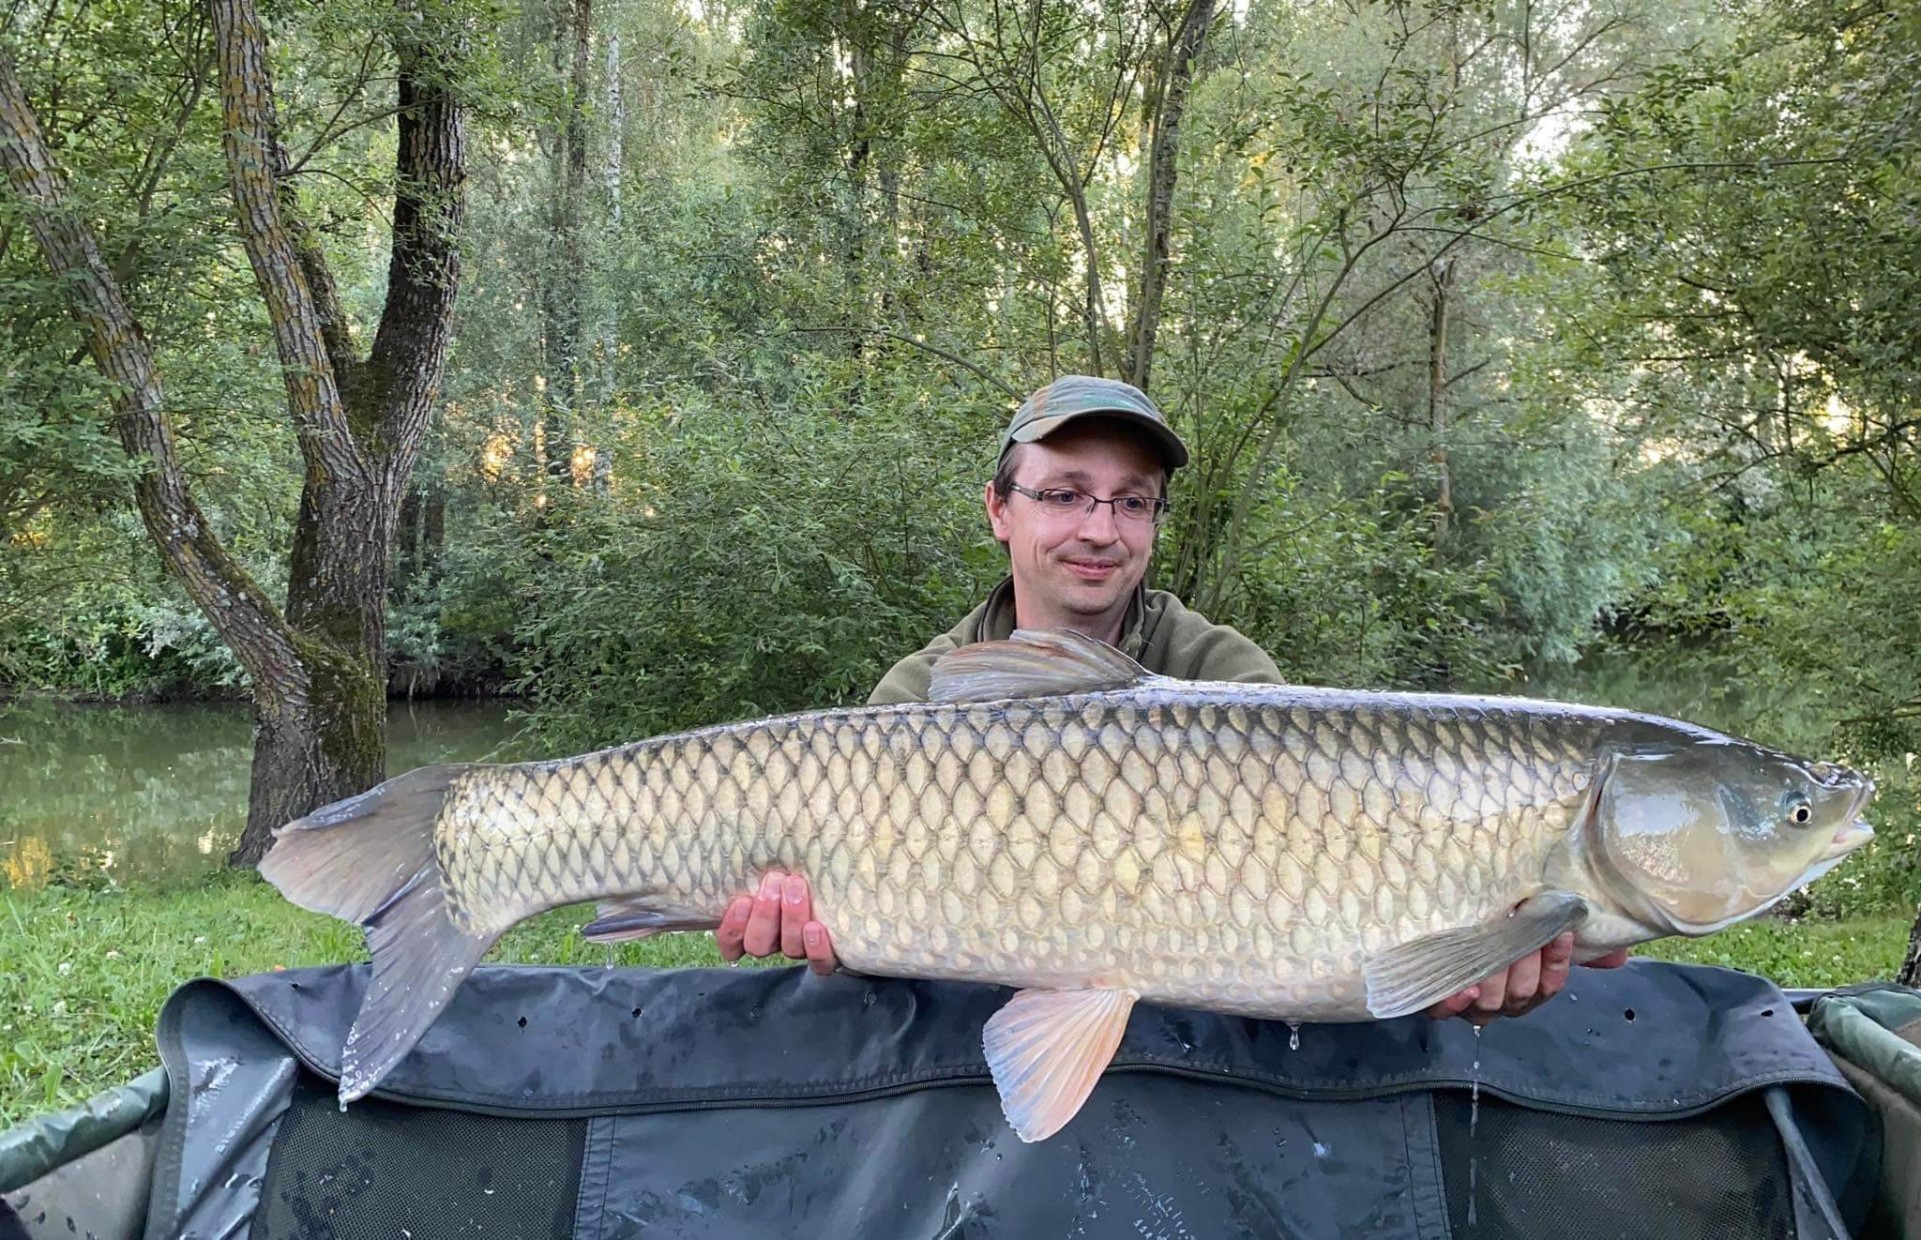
x=1076, y=501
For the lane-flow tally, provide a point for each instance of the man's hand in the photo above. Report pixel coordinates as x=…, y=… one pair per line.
x=1522, y=986
x=780, y=916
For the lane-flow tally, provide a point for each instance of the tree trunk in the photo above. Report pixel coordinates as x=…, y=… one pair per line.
x=567, y=281
x=1163, y=161
x=613, y=163
x=318, y=667
x=1442, y=277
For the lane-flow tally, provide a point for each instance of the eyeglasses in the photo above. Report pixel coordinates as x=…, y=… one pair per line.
x=1062, y=502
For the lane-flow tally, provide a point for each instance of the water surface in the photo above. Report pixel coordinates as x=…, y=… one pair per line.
x=121, y=793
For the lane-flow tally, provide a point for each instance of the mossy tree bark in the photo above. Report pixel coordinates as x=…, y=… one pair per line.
x=318, y=664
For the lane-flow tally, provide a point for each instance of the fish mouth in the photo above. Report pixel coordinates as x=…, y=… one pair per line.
x=1854, y=830
x=1850, y=837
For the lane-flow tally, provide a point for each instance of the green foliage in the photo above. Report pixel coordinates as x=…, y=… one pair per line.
x=758, y=558
x=1349, y=592
x=95, y=618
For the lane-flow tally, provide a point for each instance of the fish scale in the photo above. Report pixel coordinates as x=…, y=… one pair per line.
x=1058, y=820
x=1317, y=810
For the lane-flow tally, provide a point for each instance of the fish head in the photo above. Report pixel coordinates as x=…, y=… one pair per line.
x=1708, y=833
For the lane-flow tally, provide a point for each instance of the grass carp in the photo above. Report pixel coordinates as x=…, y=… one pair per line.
x=1059, y=820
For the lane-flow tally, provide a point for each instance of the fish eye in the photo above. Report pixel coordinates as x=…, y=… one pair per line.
x=1800, y=813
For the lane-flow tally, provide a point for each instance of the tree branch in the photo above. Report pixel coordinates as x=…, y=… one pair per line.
x=973, y=368
x=1163, y=167
x=246, y=105
x=246, y=620
x=410, y=347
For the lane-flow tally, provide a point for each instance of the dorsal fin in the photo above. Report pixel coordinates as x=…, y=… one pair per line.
x=1031, y=663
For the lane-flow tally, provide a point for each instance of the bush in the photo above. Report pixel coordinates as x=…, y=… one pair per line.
x=750, y=561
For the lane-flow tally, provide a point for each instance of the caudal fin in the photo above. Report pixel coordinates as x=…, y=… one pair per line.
x=370, y=859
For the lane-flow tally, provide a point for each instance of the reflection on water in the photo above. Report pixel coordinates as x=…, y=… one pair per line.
x=160, y=792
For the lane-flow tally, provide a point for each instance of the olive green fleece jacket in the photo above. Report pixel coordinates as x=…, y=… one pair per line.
x=1159, y=632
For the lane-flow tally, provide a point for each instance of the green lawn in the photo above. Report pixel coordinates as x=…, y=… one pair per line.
x=86, y=972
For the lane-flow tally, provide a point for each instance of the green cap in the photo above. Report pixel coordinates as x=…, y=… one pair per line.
x=1079, y=396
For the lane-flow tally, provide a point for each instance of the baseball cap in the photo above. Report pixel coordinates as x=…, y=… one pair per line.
x=1078, y=396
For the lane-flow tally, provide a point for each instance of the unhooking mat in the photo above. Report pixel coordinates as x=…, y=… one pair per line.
x=1653, y=1100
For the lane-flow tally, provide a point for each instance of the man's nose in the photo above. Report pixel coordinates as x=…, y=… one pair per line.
x=1100, y=525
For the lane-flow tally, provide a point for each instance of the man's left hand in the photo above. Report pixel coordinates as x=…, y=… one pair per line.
x=780, y=916
x=1522, y=986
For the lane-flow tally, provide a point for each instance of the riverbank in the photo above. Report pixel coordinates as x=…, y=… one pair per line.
x=88, y=970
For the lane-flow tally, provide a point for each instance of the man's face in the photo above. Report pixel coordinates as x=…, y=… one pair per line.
x=1078, y=570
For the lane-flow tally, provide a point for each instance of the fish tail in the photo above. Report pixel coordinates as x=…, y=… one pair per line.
x=370, y=859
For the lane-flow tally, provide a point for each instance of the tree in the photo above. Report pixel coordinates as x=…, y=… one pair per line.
x=316, y=665
x=1746, y=311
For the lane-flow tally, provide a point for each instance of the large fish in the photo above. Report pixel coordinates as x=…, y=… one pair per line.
x=1057, y=819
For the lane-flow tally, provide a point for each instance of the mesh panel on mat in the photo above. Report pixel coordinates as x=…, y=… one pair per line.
x=387, y=1170
x=1526, y=1173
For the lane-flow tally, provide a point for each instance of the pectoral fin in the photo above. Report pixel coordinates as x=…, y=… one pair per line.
x=622, y=920
x=1415, y=976
x=1046, y=1049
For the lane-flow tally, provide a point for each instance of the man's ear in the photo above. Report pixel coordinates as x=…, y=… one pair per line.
x=996, y=512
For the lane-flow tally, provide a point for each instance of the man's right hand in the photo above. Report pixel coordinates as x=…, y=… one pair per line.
x=780, y=915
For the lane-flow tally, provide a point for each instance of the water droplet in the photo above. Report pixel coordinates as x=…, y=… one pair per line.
x=867, y=1000
x=1294, y=1035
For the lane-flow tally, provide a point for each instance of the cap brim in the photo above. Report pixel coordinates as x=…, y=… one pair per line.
x=1172, y=451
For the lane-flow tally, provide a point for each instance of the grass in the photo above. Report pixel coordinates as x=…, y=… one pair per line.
x=87, y=971
x=1799, y=953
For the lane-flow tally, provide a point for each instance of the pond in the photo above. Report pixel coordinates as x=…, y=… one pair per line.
x=159, y=793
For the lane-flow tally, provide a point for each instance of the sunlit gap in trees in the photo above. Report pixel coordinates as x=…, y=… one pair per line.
x=1549, y=137
x=728, y=24
x=1840, y=421
x=495, y=454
